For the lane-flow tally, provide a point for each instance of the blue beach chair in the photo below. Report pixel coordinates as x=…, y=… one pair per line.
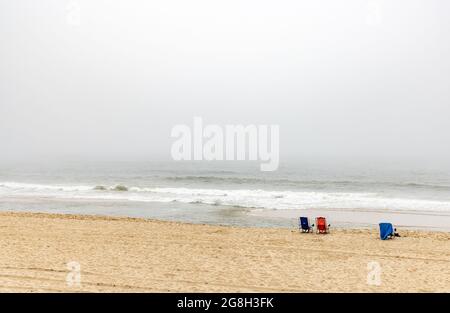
x=386, y=231
x=303, y=225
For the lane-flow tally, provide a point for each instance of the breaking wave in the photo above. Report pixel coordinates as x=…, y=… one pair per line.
x=245, y=198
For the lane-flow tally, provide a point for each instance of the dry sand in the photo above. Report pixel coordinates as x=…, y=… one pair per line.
x=137, y=255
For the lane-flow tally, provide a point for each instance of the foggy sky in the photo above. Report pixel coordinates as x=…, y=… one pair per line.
x=351, y=78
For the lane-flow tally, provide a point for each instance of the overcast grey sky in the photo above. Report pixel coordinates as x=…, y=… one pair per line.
x=109, y=79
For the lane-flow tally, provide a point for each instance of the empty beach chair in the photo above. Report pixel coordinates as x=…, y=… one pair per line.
x=387, y=231
x=304, y=226
x=322, y=226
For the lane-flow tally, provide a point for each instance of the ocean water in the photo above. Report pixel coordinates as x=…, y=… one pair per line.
x=233, y=193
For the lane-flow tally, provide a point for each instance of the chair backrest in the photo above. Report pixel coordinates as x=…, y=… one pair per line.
x=304, y=223
x=321, y=223
x=386, y=230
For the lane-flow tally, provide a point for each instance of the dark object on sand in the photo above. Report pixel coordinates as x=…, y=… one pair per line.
x=387, y=231
x=304, y=225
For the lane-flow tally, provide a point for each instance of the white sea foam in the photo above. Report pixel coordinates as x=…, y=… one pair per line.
x=13, y=186
x=248, y=198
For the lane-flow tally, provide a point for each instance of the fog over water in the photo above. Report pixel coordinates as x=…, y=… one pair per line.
x=107, y=80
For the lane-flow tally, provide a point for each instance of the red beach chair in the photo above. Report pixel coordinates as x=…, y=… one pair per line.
x=322, y=226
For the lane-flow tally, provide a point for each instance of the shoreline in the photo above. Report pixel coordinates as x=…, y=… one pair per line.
x=366, y=218
x=127, y=254
x=234, y=216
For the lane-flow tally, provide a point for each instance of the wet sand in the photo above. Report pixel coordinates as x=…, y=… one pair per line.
x=138, y=255
x=345, y=218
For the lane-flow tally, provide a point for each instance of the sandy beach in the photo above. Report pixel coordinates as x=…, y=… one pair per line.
x=138, y=255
